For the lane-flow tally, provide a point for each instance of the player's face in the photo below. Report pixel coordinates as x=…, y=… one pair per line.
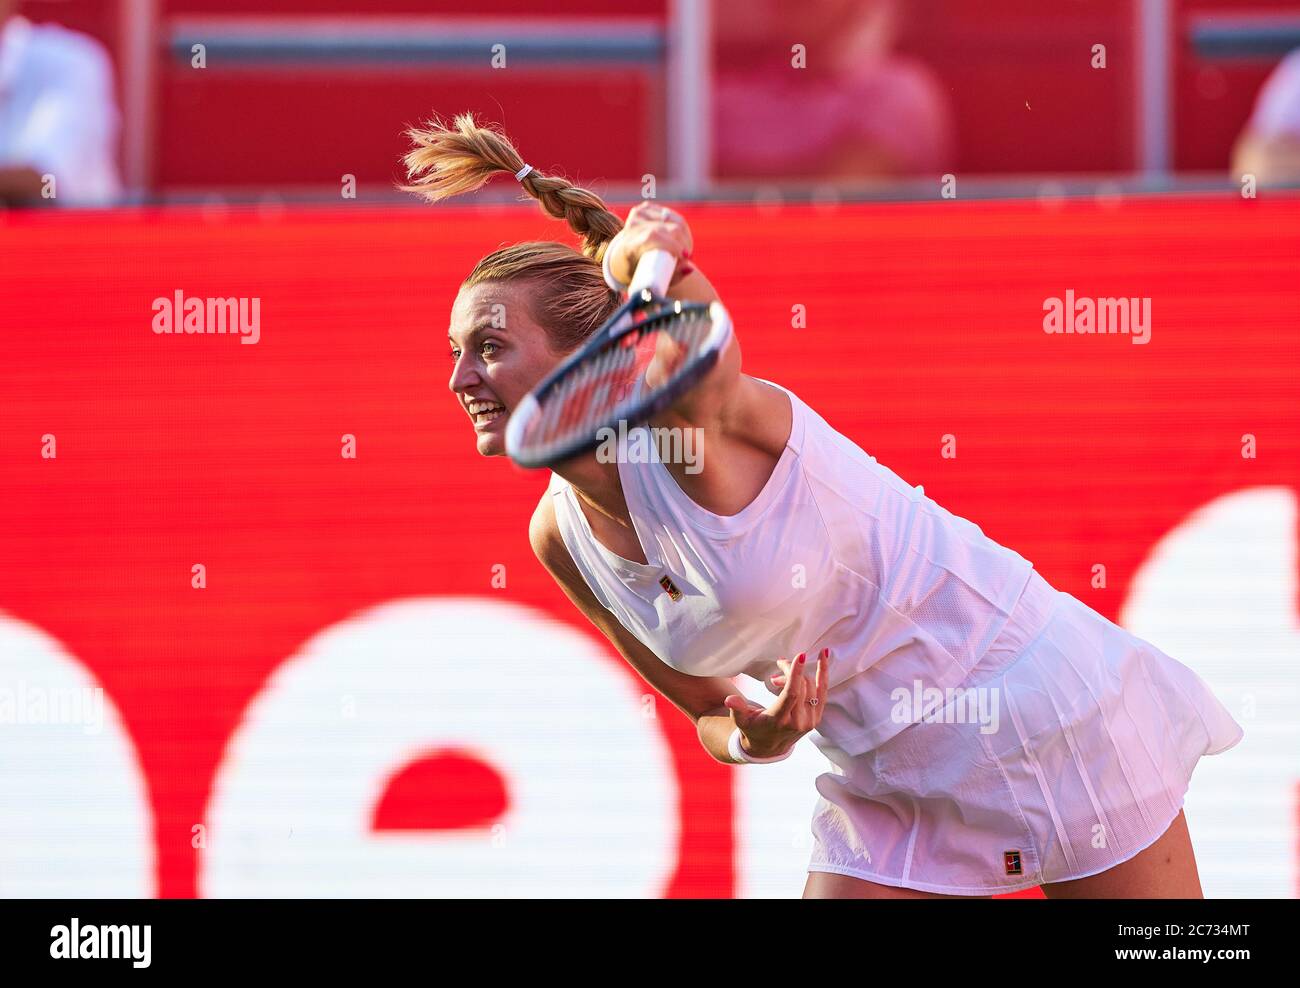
x=499, y=353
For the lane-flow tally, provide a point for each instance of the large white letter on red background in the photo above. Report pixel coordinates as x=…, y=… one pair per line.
x=540, y=712
x=75, y=819
x=1218, y=593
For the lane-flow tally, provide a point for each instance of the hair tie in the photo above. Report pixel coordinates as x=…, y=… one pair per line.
x=519, y=175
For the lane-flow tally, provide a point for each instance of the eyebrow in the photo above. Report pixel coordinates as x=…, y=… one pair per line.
x=478, y=330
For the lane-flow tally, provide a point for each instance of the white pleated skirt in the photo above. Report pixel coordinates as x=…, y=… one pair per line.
x=1073, y=754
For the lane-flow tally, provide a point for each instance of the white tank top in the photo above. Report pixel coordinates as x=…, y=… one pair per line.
x=836, y=550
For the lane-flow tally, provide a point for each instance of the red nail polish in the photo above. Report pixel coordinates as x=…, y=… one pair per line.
x=802, y=656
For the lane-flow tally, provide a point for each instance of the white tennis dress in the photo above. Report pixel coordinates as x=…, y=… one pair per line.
x=1059, y=745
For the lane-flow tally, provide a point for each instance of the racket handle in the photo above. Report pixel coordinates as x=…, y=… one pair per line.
x=654, y=270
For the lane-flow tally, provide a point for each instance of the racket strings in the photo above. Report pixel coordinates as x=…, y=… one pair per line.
x=603, y=384
x=594, y=392
x=588, y=393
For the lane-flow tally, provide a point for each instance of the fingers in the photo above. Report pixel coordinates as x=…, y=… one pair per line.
x=779, y=679
x=799, y=697
x=739, y=707
x=800, y=701
x=742, y=711
x=660, y=226
x=817, y=691
x=823, y=679
x=652, y=211
x=782, y=699
x=795, y=690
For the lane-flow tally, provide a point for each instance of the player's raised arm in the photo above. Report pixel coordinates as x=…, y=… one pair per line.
x=648, y=226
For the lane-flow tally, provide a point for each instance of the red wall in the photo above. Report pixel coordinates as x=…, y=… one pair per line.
x=923, y=320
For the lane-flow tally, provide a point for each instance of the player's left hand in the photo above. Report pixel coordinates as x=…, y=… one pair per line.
x=797, y=710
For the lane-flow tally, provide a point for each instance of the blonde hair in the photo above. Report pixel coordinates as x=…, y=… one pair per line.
x=565, y=287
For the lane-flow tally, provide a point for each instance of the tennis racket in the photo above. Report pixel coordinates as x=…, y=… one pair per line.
x=602, y=383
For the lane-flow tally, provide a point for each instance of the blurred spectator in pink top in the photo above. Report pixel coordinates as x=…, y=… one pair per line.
x=857, y=110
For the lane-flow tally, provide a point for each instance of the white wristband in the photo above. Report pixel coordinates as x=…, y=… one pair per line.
x=741, y=755
x=610, y=280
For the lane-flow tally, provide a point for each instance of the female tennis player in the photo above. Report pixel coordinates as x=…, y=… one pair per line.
x=1048, y=745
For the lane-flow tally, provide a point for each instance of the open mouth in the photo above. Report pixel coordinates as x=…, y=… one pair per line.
x=484, y=412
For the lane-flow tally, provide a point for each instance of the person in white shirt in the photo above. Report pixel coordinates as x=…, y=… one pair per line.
x=1269, y=145
x=58, y=118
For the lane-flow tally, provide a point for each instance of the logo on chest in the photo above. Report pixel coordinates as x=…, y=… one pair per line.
x=666, y=582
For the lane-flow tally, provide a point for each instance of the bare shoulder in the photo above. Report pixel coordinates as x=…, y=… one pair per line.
x=758, y=398
x=549, y=548
x=544, y=533
x=760, y=417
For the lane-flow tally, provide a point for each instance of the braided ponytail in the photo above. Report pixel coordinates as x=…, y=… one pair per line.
x=568, y=294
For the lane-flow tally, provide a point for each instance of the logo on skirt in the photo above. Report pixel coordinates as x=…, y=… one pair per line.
x=1012, y=859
